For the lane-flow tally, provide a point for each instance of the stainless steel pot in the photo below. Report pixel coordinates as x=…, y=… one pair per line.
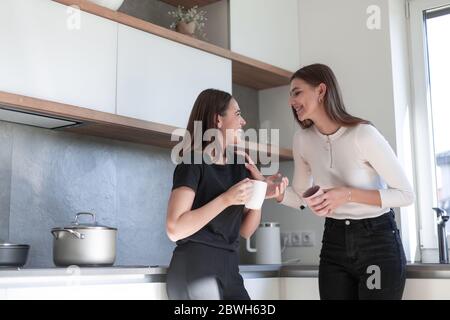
x=87, y=244
x=13, y=255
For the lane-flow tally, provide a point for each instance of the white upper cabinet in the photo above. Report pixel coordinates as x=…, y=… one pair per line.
x=158, y=79
x=54, y=52
x=266, y=30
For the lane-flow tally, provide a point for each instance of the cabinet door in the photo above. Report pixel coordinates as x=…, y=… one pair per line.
x=263, y=288
x=54, y=52
x=427, y=289
x=299, y=289
x=159, y=80
x=131, y=291
x=266, y=30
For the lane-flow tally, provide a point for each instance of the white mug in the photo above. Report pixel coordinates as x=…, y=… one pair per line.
x=259, y=194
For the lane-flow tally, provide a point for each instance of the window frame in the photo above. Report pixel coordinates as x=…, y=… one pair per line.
x=425, y=166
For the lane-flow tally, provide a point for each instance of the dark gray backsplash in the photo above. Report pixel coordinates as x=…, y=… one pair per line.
x=248, y=101
x=154, y=11
x=6, y=143
x=48, y=176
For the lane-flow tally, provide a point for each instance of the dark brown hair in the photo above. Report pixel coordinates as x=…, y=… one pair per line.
x=314, y=75
x=209, y=104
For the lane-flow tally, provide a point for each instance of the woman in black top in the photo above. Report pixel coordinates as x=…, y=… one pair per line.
x=206, y=211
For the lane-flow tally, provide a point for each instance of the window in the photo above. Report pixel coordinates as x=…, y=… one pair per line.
x=430, y=55
x=437, y=24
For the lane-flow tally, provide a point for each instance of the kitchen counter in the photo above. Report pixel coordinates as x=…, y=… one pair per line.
x=158, y=273
x=424, y=281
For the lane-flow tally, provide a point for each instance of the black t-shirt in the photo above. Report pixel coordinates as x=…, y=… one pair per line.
x=209, y=181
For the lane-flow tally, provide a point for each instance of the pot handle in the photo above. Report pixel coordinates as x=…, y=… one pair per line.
x=85, y=213
x=74, y=233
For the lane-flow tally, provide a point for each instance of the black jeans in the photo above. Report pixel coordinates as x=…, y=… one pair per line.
x=362, y=259
x=201, y=272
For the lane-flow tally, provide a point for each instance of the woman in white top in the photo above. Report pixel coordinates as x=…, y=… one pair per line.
x=362, y=255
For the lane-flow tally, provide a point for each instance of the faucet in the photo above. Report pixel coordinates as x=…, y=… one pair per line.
x=443, y=217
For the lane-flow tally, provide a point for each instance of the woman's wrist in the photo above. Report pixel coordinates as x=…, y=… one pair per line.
x=225, y=199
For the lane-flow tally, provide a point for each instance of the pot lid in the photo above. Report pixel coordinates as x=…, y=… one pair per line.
x=86, y=225
x=12, y=245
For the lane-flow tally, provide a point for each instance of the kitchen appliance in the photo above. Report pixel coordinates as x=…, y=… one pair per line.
x=13, y=255
x=84, y=244
x=267, y=239
x=32, y=119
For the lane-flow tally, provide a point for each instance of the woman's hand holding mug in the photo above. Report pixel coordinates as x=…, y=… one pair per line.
x=323, y=202
x=276, y=184
x=331, y=199
x=240, y=193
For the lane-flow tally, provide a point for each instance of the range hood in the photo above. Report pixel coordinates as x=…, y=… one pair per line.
x=32, y=119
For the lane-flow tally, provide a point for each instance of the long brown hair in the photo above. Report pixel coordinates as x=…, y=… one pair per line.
x=209, y=104
x=316, y=74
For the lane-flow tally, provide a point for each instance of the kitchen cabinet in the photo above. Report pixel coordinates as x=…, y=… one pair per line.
x=263, y=288
x=246, y=71
x=427, y=289
x=267, y=31
x=158, y=80
x=293, y=288
x=54, y=52
x=128, y=291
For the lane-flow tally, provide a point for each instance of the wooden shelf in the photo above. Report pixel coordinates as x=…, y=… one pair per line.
x=246, y=71
x=189, y=3
x=107, y=125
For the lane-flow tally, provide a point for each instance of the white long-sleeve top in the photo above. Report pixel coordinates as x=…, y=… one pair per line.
x=357, y=157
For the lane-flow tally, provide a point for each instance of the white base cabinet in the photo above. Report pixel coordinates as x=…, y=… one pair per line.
x=263, y=289
x=136, y=291
x=299, y=289
x=258, y=289
x=427, y=289
x=54, y=52
x=158, y=79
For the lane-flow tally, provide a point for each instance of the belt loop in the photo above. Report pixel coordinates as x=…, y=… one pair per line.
x=391, y=218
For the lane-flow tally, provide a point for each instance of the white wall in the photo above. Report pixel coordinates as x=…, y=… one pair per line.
x=402, y=100
x=335, y=33
x=266, y=30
